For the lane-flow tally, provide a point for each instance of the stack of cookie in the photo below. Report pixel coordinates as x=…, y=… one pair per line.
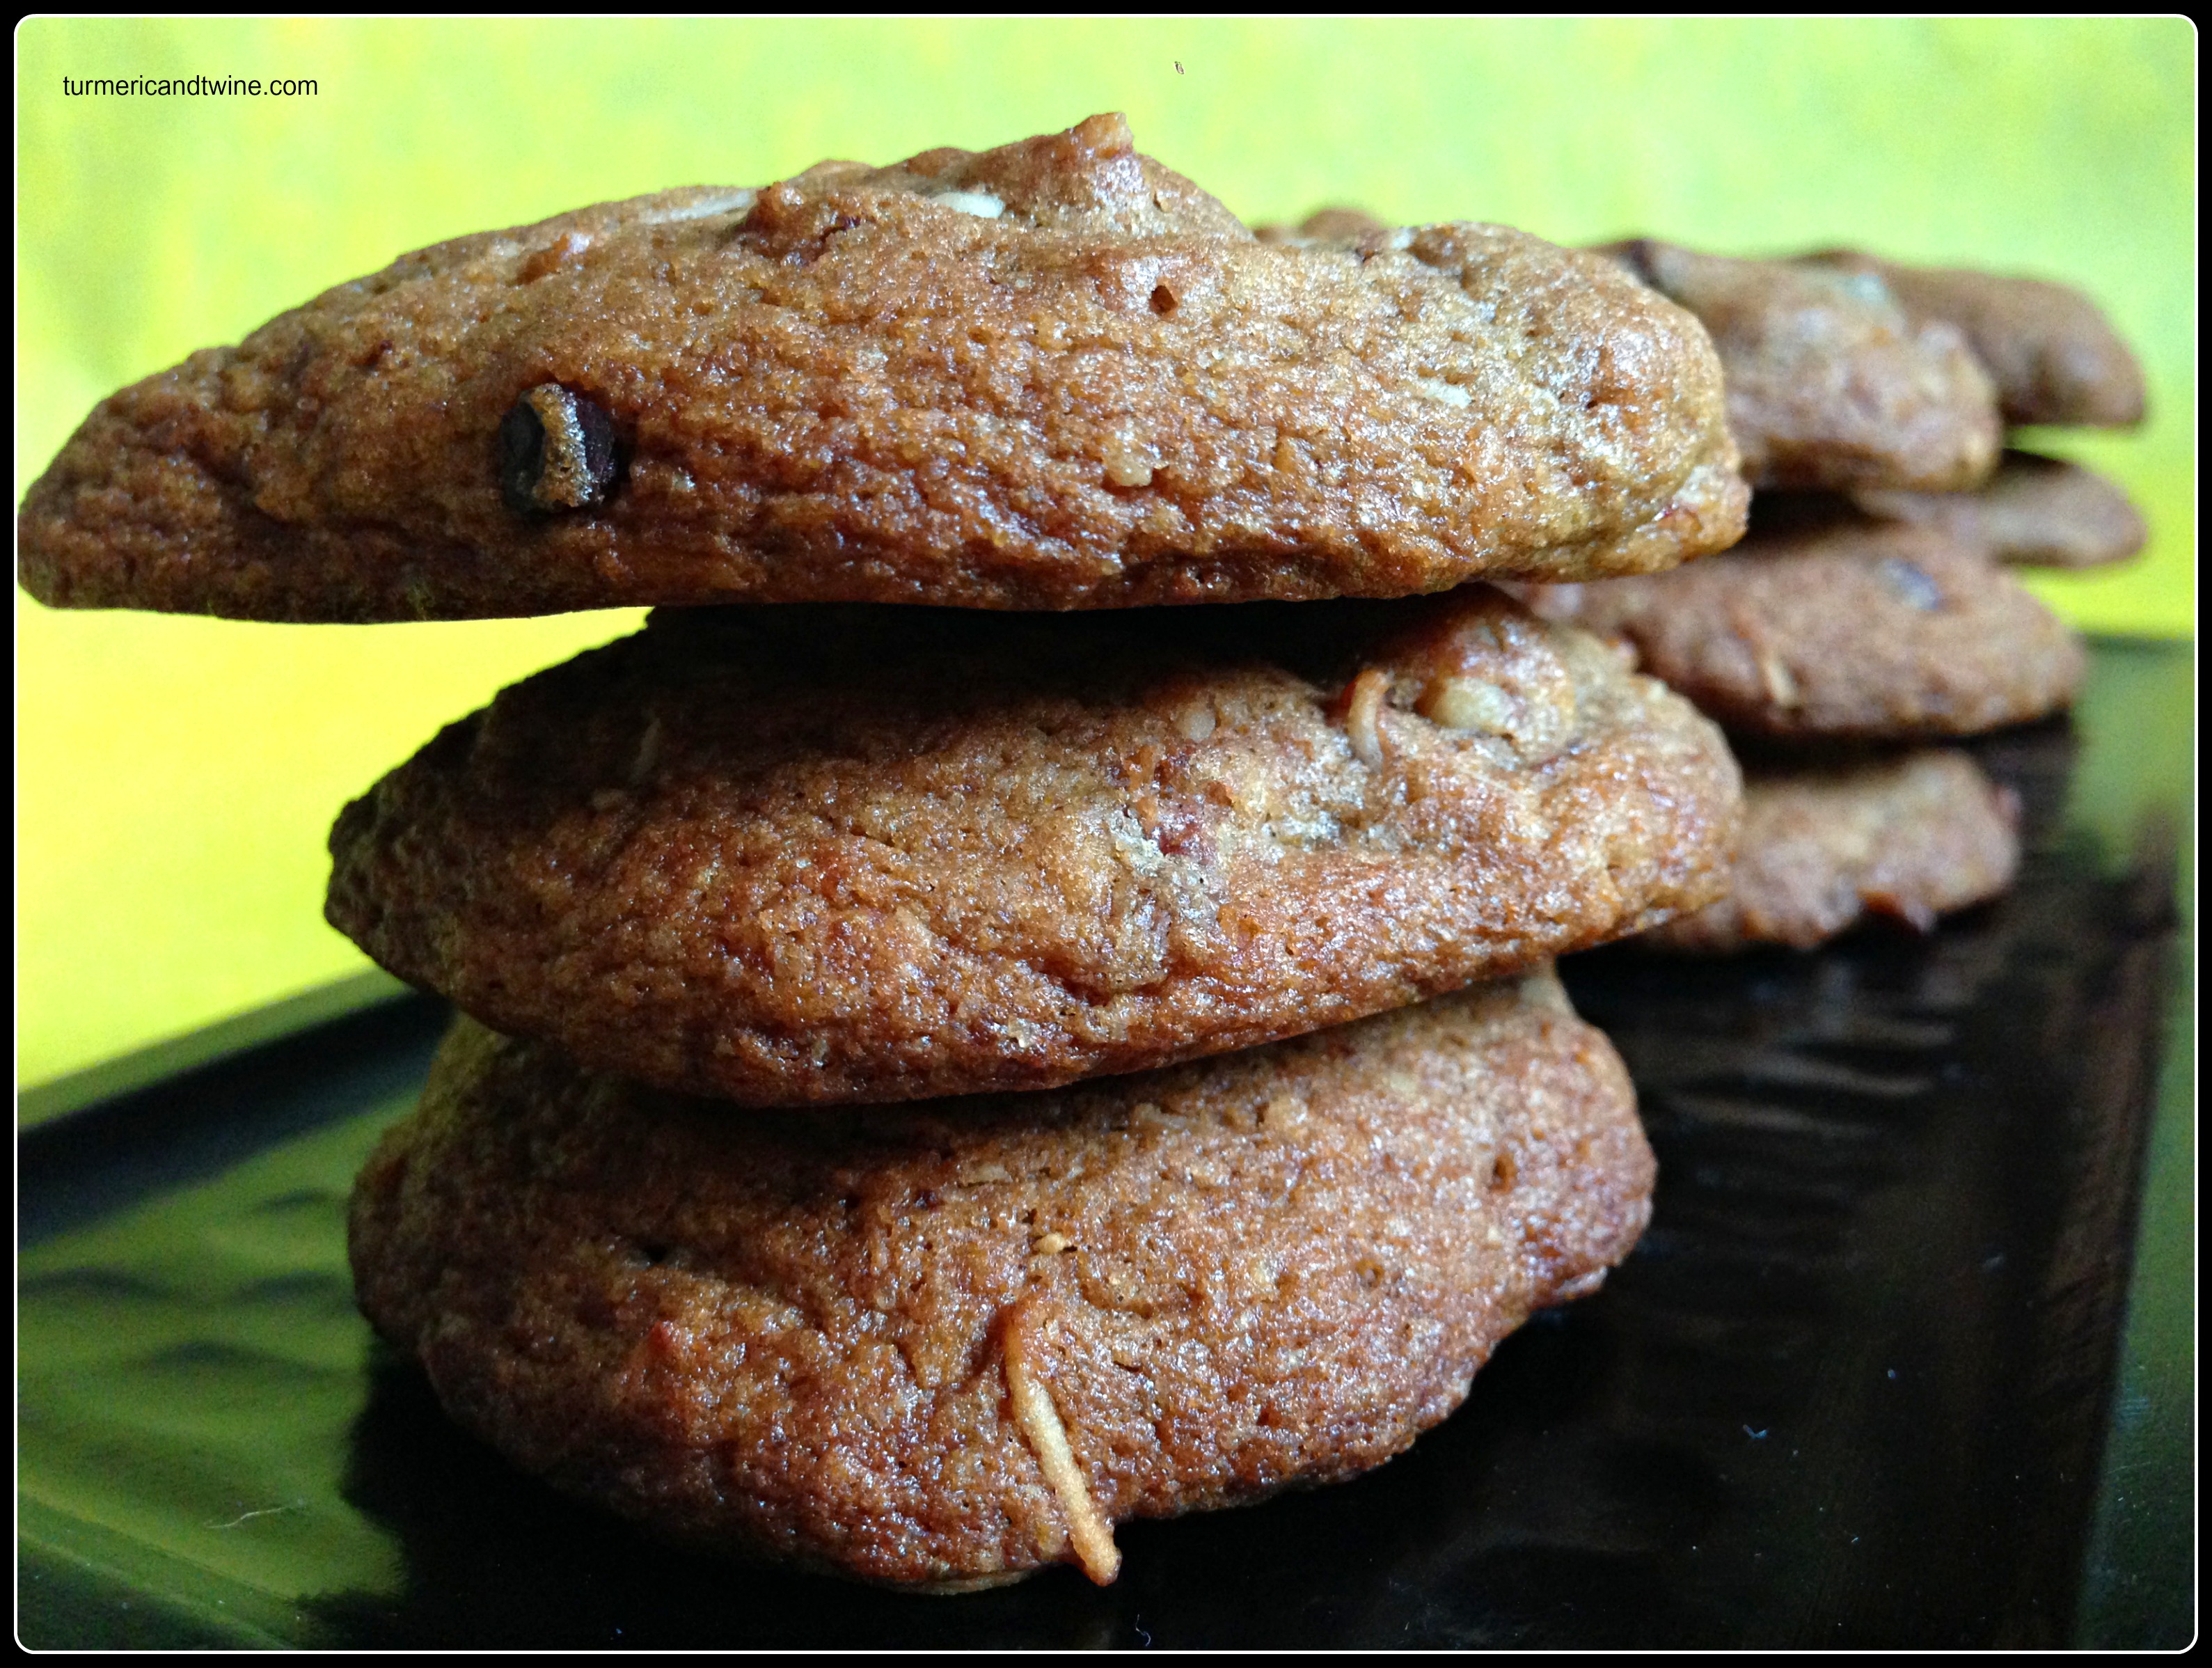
x=938, y=1082
x=1870, y=611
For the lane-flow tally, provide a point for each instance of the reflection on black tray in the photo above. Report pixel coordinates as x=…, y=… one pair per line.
x=1851, y=1390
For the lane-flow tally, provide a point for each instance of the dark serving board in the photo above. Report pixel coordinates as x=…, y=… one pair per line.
x=1876, y=1375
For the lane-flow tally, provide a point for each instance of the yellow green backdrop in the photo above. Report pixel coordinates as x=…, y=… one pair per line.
x=176, y=776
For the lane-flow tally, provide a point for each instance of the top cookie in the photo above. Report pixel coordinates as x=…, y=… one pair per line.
x=1055, y=375
x=2054, y=356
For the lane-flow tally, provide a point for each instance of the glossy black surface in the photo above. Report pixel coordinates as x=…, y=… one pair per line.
x=1855, y=1386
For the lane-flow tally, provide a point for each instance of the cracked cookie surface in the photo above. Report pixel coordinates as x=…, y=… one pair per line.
x=946, y=1344
x=1051, y=375
x=851, y=854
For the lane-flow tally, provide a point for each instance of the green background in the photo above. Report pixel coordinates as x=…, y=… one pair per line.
x=176, y=776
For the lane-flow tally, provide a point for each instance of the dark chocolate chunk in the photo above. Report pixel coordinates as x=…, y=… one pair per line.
x=556, y=452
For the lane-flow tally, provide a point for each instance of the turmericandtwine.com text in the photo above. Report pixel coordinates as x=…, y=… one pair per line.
x=187, y=86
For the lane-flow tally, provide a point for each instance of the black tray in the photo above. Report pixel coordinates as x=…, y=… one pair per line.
x=1873, y=1378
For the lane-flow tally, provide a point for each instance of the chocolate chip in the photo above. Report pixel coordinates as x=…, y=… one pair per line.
x=556, y=452
x=1911, y=584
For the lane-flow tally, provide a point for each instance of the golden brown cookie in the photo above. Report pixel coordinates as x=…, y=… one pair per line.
x=1830, y=386
x=2035, y=511
x=2054, y=356
x=1846, y=631
x=1051, y=375
x=846, y=854
x=946, y=1344
x=1912, y=838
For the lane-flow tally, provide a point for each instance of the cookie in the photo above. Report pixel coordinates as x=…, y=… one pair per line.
x=947, y=1344
x=1051, y=375
x=1326, y=226
x=848, y=853
x=2053, y=354
x=1910, y=838
x=1845, y=630
x=2036, y=511
x=1830, y=385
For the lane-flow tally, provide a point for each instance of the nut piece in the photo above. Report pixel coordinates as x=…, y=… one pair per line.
x=1363, y=713
x=556, y=452
x=1500, y=675
x=1469, y=703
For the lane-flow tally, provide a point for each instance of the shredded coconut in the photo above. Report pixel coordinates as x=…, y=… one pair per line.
x=706, y=208
x=1781, y=686
x=1092, y=1535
